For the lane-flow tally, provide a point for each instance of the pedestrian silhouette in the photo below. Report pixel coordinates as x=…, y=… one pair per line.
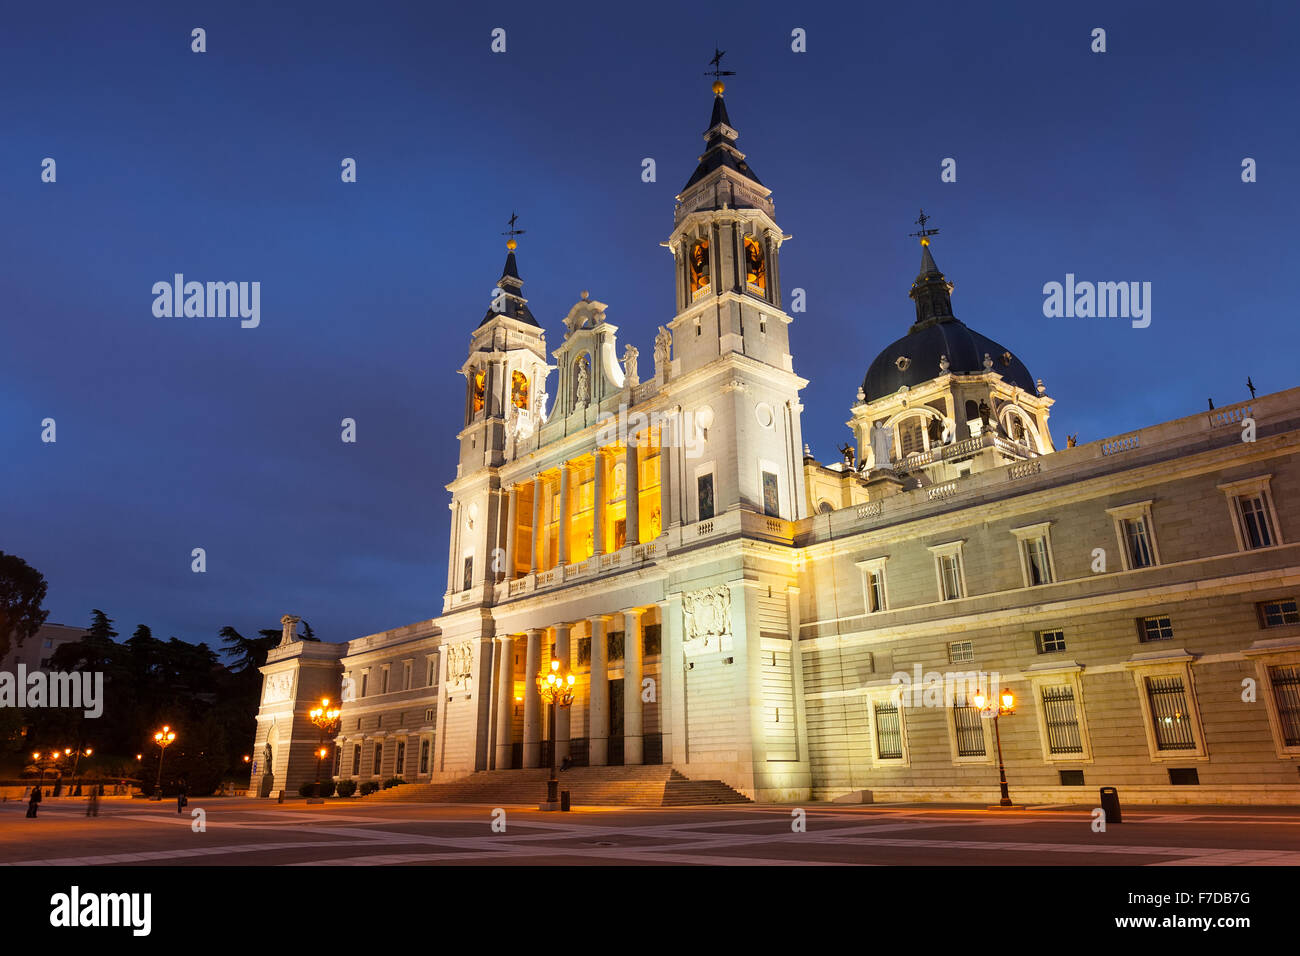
x=92, y=805
x=33, y=801
x=181, y=800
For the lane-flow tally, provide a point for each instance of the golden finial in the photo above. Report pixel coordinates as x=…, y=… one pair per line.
x=511, y=244
x=718, y=87
x=925, y=234
x=718, y=72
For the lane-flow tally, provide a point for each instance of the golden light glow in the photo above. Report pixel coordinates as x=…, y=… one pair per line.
x=979, y=699
x=718, y=87
x=1008, y=700
x=511, y=245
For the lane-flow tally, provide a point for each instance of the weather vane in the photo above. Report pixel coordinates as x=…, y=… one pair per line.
x=514, y=218
x=716, y=63
x=924, y=234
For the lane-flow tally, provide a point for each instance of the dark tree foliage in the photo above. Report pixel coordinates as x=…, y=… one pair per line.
x=22, y=592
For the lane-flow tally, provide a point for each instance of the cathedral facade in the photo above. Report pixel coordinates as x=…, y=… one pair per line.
x=734, y=608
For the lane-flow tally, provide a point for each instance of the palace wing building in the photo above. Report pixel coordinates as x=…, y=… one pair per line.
x=736, y=611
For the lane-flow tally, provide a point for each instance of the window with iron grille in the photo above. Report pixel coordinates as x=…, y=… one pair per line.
x=910, y=435
x=1154, y=629
x=1036, y=561
x=1278, y=613
x=1061, y=718
x=1138, y=542
x=1169, y=714
x=378, y=759
x=1255, y=525
x=1286, y=693
x=651, y=639
x=1050, y=641
x=614, y=646
x=399, y=767
x=969, y=727
x=961, y=651
x=424, y=756
x=889, y=731
x=356, y=759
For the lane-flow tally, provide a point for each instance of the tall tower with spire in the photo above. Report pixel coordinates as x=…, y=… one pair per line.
x=505, y=376
x=730, y=334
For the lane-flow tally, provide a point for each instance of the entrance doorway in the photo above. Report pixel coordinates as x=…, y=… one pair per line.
x=616, y=722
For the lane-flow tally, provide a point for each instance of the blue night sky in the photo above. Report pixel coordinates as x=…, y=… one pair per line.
x=178, y=433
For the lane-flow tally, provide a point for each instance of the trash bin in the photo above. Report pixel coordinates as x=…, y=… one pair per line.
x=1110, y=804
x=564, y=801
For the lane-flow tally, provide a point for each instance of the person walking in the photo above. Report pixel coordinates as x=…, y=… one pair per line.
x=34, y=801
x=92, y=805
x=181, y=800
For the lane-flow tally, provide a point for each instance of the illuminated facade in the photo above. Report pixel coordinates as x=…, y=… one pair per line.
x=736, y=609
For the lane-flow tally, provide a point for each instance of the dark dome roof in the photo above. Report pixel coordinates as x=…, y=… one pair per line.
x=923, y=347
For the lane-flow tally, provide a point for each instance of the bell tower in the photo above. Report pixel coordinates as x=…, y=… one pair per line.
x=505, y=399
x=730, y=337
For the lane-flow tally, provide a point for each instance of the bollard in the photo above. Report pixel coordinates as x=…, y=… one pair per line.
x=1110, y=804
x=564, y=801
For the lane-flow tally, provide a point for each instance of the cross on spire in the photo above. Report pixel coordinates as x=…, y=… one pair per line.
x=716, y=63
x=924, y=234
x=512, y=232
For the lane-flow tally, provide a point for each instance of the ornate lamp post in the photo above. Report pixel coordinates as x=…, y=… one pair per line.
x=1005, y=708
x=162, y=739
x=556, y=688
x=327, y=720
x=80, y=753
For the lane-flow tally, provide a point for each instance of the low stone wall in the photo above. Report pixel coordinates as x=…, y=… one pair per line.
x=1243, y=795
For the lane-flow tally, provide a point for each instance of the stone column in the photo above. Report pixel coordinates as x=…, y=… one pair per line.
x=564, y=656
x=672, y=690
x=598, y=506
x=532, y=700
x=633, y=742
x=631, y=494
x=665, y=499
x=505, y=699
x=598, y=710
x=563, y=558
x=512, y=522
x=535, y=562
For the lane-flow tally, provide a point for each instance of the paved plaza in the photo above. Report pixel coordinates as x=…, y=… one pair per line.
x=259, y=832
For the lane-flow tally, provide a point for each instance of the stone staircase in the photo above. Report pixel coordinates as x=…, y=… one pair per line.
x=637, y=786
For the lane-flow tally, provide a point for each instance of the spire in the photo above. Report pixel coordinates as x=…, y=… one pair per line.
x=720, y=138
x=931, y=291
x=510, y=303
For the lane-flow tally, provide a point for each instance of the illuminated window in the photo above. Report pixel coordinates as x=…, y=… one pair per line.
x=519, y=390
x=698, y=266
x=755, y=266
x=480, y=389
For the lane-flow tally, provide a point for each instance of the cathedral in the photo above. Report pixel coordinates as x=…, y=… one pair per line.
x=733, y=609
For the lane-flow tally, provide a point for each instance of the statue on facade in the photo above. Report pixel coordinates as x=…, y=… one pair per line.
x=582, y=394
x=663, y=349
x=630, y=354
x=949, y=434
x=882, y=445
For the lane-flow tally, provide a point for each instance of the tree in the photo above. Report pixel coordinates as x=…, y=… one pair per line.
x=22, y=592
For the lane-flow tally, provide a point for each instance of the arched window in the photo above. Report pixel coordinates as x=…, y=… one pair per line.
x=755, y=266
x=698, y=265
x=824, y=507
x=519, y=390
x=480, y=389
x=910, y=437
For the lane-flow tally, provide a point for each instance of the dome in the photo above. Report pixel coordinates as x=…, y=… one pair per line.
x=915, y=358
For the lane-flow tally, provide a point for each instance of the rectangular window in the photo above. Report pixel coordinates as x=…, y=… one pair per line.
x=430, y=715
x=338, y=761
x=378, y=761
x=1169, y=714
x=961, y=651
x=1061, y=718
x=1051, y=641
x=400, y=768
x=584, y=650
x=910, y=437
x=875, y=591
x=1286, y=693
x=1154, y=629
x=1184, y=776
x=651, y=639
x=1037, y=564
x=1137, y=542
x=469, y=572
x=950, y=575
x=889, y=731
x=432, y=677
x=1278, y=613
x=771, y=496
x=1071, y=778
x=424, y=756
x=356, y=759
x=365, y=682
x=704, y=494
x=613, y=646
x=1255, y=525
x=383, y=681
x=969, y=727
x=406, y=676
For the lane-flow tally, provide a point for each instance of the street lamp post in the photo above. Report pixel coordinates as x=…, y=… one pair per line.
x=326, y=719
x=556, y=688
x=1006, y=707
x=162, y=739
